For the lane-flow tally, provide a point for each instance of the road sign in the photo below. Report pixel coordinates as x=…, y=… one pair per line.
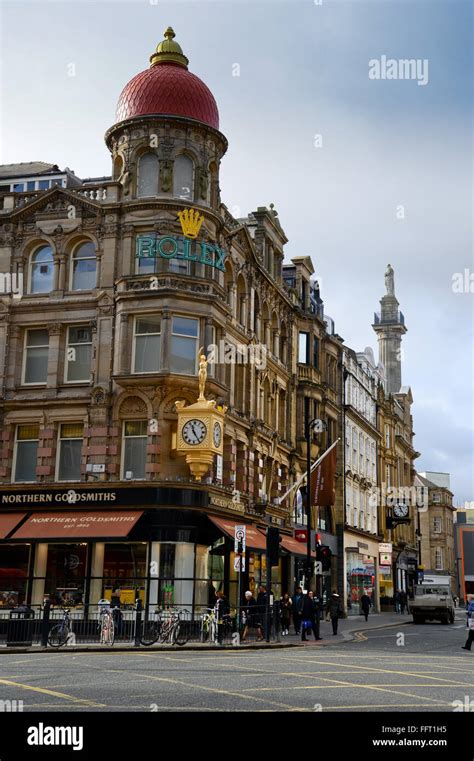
x=239, y=563
x=318, y=568
x=240, y=534
x=301, y=535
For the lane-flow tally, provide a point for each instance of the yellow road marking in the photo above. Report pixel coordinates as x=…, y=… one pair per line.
x=388, y=671
x=45, y=691
x=216, y=690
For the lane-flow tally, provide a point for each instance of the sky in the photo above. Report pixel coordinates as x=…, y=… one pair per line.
x=362, y=171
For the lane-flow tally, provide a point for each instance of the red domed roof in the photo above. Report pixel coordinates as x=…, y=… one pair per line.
x=168, y=89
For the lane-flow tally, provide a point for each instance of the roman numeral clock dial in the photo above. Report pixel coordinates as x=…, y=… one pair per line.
x=194, y=432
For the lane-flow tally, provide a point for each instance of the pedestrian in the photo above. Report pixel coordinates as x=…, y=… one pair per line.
x=262, y=606
x=252, y=618
x=285, y=613
x=403, y=601
x=221, y=613
x=365, y=604
x=470, y=623
x=333, y=609
x=310, y=616
x=396, y=602
x=297, y=608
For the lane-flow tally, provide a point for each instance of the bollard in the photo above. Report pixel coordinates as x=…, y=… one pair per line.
x=45, y=623
x=138, y=621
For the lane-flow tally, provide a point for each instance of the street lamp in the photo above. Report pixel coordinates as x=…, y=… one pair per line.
x=316, y=425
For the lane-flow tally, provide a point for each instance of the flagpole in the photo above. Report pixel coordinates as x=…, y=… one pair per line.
x=302, y=478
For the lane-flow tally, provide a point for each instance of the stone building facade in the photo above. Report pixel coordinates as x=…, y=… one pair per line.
x=437, y=550
x=103, y=340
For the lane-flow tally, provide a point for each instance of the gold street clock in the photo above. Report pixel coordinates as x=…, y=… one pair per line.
x=200, y=427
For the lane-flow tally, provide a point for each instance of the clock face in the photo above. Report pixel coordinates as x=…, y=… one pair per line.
x=217, y=435
x=194, y=432
x=401, y=511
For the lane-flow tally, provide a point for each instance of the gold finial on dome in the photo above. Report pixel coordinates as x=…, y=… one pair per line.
x=168, y=51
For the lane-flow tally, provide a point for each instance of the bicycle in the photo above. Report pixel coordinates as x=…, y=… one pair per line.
x=107, y=627
x=59, y=634
x=168, y=627
x=208, y=626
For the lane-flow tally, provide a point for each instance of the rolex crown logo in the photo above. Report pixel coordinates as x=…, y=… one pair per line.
x=191, y=221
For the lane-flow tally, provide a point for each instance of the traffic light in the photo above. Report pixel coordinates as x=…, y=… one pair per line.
x=326, y=556
x=273, y=545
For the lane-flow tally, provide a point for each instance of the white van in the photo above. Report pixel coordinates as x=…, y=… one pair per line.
x=433, y=600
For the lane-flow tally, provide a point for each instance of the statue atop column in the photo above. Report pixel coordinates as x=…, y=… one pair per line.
x=390, y=281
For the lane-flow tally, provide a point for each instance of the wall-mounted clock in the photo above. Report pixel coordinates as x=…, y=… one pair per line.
x=217, y=435
x=400, y=510
x=194, y=432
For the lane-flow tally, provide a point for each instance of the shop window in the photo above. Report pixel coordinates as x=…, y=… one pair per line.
x=65, y=573
x=183, y=178
x=14, y=559
x=78, y=354
x=184, y=346
x=25, y=453
x=147, y=345
x=84, y=268
x=125, y=570
x=41, y=276
x=70, y=448
x=148, y=172
x=134, y=449
x=35, y=368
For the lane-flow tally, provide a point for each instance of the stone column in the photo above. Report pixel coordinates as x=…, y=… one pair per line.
x=276, y=343
x=267, y=334
x=56, y=262
x=54, y=331
x=97, y=570
x=61, y=282
x=37, y=595
x=166, y=340
x=123, y=350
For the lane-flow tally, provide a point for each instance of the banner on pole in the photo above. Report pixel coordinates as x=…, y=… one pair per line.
x=322, y=481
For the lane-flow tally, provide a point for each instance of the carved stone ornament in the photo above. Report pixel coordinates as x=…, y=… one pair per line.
x=55, y=329
x=99, y=396
x=133, y=405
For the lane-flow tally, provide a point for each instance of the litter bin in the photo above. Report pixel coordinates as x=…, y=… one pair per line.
x=20, y=627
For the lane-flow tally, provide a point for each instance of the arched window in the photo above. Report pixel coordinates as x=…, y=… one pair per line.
x=183, y=177
x=42, y=270
x=148, y=172
x=84, y=268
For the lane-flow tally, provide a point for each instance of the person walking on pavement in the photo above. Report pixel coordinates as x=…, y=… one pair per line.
x=285, y=613
x=297, y=608
x=221, y=612
x=396, y=602
x=310, y=617
x=403, y=602
x=469, y=608
x=252, y=617
x=365, y=604
x=262, y=607
x=470, y=623
x=334, y=609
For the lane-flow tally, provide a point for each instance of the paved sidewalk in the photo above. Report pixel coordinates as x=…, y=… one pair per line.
x=347, y=629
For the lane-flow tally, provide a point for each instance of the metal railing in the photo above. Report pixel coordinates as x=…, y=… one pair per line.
x=30, y=626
